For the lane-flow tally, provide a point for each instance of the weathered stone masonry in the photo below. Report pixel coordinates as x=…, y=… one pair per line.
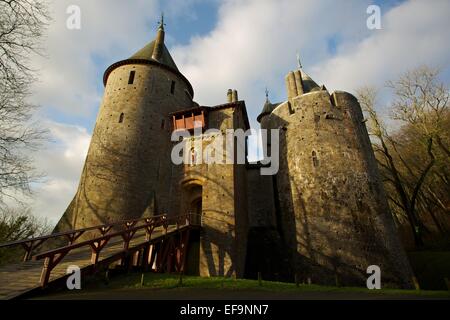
x=323, y=216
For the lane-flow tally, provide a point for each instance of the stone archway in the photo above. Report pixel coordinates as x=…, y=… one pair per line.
x=196, y=209
x=192, y=201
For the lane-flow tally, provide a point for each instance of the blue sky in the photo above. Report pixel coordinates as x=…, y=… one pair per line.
x=246, y=45
x=199, y=21
x=198, y=18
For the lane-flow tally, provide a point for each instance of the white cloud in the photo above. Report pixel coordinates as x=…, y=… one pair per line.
x=255, y=42
x=412, y=34
x=69, y=82
x=110, y=29
x=61, y=161
x=253, y=45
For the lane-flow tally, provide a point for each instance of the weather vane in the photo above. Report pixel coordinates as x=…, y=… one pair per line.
x=298, y=61
x=161, y=23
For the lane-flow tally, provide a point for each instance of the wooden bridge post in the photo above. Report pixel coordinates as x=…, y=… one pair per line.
x=145, y=257
x=94, y=257
x=137, y=257
x=96, y=247
x=126, y=242
x=49, y=263
x=45, y=274
x=28, y=249
x=152, y=256
x=184, y=247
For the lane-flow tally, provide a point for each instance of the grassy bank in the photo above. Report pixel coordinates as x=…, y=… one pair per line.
x=431, y=268
x=133, y=282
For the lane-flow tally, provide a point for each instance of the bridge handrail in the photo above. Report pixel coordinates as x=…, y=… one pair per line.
x=54, y=256
x=87, y=242
x=31, y=244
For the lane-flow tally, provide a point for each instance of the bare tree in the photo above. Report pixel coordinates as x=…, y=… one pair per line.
x=17, y=224
x=22, y=23
x=413, y=157
x=387, y=163
x=423, y=102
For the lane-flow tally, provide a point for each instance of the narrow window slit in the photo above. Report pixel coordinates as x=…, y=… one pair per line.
x=131, y=78
x=315, y=160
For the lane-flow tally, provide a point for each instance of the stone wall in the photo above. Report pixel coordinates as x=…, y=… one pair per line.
x=128, y=161
x=266, y=252
x=335, y=218
x=261, y=206
x=223, y=196
x=324, y=215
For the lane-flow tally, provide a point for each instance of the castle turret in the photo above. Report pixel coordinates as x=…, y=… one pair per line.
x=333, y=210
x=129, y=153
x=267, y=109
x=264, y=119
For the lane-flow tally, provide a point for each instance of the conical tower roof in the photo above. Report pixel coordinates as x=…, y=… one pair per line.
x=155, y=53
x=157, y=50
x=308, y=83
x=267, y=108
x=146, y=53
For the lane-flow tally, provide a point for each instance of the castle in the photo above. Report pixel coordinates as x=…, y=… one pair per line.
x=323, y=217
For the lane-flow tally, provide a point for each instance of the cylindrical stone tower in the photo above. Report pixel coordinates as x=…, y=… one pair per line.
x=127, y=169
x=334, y=213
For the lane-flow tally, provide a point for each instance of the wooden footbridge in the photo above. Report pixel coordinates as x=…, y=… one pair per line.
x=157, y=243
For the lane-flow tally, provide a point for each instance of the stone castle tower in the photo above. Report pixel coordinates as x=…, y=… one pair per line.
x=324, y=215
x=332, y=213
x=128, y=172
x=127, y=157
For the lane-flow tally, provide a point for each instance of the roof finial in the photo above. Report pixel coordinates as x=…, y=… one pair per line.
x=158, y=47
x=267, y=95
x=299, y=63
x=161, y=23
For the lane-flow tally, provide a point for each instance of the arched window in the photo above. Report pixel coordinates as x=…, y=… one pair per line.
x=172, y=87
x=193, y=158
x=122, y=115
x=314, y=159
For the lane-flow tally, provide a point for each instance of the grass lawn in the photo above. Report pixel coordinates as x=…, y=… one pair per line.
x=164, y=285
x=431, y=268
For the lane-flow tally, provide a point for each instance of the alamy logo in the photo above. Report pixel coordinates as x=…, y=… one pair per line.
x=374, y=20
x=74, y=280
x=73, y=22
x=374, y=280
x=229, y=146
